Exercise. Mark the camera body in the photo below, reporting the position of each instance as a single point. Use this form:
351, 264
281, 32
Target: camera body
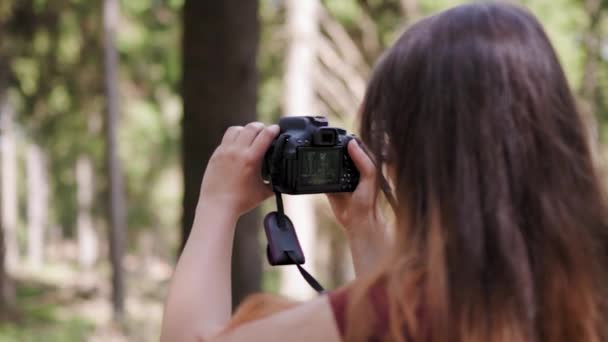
309, 157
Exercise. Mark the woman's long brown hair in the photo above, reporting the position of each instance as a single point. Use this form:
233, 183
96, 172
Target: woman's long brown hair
501, 214
501, 217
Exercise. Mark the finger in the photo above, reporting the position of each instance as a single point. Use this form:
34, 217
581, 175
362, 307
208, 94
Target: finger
231, 134
262, 142
362, 161
248, 134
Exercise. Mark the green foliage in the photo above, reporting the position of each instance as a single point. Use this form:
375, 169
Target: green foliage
564, 21
56, 57
346, 12
149, 45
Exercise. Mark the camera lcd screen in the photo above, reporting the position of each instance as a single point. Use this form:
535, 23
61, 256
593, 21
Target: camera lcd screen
319, 166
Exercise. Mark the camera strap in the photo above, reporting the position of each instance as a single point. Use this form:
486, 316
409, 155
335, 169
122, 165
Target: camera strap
283, 245
308, 277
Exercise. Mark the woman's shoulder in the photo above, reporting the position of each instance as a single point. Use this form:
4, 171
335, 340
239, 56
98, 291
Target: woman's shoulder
372, 297
264, 317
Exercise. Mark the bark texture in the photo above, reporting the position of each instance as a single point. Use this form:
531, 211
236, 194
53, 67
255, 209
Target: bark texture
116, 198
219, 87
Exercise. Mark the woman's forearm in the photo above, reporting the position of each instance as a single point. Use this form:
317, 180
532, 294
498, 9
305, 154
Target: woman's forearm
199, 301
367, 246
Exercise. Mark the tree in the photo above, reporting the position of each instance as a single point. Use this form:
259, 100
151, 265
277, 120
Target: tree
410, 8
57, 94
116, 204
591, 85
299, 99
37, 204
219, 89
87, 236
8, 160
7, 295
8, 183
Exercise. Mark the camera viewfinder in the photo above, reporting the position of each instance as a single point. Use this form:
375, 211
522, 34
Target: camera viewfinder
325, 137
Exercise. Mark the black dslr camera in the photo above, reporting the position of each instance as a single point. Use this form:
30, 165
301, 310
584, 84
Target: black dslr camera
308, 157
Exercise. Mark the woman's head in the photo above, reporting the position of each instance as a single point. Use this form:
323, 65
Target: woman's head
499, 207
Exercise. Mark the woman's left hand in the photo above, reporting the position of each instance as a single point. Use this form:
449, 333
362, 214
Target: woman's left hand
233, 178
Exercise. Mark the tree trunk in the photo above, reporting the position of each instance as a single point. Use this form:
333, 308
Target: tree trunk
410, 9
88, 244
116, 203
37, 204
7, 290
592, 39
8, 185
299, 99
219, 90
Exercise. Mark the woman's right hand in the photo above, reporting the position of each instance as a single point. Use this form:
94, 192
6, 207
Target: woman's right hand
359, 214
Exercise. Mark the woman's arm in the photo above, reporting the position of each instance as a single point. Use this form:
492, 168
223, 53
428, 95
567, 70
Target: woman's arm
361, 218
199, 300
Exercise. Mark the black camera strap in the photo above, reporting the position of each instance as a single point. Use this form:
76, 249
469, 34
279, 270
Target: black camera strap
308, 277
291, 254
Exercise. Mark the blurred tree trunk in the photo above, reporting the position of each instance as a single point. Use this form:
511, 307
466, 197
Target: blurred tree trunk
410, 9
590, 90
7, 291
116, 204
88, 244
299, 99
219, 88
37, 204
8, 185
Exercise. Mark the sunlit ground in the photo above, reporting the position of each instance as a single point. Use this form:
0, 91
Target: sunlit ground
59, 303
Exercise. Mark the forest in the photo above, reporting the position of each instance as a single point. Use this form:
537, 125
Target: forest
110, 110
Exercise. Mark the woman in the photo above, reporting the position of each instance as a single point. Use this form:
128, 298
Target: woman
500, 216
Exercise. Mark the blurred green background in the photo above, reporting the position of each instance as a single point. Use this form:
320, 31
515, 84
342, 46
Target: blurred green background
69, 227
